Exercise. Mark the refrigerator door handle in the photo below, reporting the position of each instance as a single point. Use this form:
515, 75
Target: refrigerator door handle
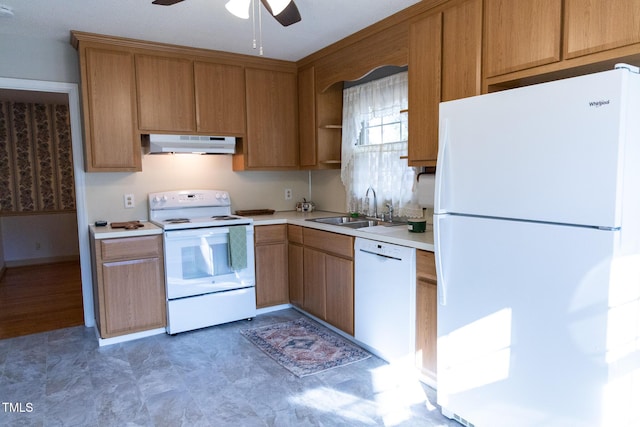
437, 240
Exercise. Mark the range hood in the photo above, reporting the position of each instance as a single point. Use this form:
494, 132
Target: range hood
160, 143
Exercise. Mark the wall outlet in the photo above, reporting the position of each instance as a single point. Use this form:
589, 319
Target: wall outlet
288, 194
129, 201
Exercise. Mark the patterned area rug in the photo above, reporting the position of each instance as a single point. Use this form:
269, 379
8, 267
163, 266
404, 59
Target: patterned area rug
304, 347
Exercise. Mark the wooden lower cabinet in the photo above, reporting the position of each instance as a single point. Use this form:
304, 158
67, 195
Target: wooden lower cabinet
426, 315
296, 260
328, 289
339, 293
129, 285
271, 254
314, 300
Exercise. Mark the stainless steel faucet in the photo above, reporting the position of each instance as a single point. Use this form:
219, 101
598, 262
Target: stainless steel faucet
375, 201
390, 207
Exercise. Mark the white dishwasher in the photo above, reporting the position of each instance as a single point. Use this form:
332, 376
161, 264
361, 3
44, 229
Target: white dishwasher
385, 299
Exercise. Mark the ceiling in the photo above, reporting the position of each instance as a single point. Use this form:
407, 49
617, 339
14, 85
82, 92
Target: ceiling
198, 23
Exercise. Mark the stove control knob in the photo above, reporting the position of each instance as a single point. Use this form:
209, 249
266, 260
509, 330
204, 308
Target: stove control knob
218, 196
225, 196
156, 199
164, 198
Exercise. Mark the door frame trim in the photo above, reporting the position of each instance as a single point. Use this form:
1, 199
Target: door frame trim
71, 89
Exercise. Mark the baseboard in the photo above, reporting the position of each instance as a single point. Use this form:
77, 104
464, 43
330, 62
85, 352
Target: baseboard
39, 261
264, 310
128, 337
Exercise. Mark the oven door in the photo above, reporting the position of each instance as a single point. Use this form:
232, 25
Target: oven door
197, 262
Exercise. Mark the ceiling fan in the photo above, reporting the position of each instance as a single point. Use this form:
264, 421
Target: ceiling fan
284, 11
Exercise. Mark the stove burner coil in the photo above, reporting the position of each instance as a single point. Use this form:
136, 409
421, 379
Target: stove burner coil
177, 220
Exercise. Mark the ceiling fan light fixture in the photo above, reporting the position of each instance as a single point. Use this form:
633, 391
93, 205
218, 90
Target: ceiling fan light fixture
239, 8
277, 6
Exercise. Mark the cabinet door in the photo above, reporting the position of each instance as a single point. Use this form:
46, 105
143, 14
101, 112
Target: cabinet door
165, 94
314, 282
596, 25
296, 275
444, 64
521, 34
425, 50
109, 107
133, 295
307, 116
220, 98
272, 282
339, 293
272, 126
462, 51
426, 314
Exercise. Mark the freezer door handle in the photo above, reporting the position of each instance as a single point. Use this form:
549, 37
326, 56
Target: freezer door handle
442, 152
439, 222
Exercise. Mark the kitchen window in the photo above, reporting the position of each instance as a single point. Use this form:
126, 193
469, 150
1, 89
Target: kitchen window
374, 147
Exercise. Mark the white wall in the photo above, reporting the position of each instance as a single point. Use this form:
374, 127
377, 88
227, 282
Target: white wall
31, 239
248, 190
38, 59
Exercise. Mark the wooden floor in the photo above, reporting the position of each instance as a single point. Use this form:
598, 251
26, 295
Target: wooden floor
40, 298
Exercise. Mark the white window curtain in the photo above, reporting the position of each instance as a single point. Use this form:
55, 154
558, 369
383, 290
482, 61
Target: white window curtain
375, 162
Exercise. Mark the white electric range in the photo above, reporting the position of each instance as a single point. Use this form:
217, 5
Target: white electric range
209, 258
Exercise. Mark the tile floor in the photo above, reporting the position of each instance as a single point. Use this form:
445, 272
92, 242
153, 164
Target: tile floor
209, 377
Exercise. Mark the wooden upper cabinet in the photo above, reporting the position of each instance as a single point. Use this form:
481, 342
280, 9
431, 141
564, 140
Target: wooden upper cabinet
462, 50
109, 108
272, 125
444, 64
320, 118
165, 94
220, 98
307, 116
521, 34
425, 77
595, 25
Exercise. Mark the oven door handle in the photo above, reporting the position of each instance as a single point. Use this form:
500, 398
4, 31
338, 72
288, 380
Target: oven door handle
200, 232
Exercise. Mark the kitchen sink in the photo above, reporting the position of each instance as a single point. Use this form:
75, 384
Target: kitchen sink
357, 222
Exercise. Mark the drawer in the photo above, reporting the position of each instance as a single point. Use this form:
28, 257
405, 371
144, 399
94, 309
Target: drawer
426, 266
270, 233
334, 243
294, 234
131, 247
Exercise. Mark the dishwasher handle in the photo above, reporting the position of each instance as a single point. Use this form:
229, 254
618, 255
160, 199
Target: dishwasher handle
380, 255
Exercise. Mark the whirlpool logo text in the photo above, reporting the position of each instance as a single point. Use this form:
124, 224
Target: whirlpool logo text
599, 103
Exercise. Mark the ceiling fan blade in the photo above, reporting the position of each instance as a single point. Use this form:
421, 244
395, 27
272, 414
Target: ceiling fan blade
290, 14
166, 2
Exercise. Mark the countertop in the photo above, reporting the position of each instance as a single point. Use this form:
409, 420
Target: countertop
107, 232
398, 235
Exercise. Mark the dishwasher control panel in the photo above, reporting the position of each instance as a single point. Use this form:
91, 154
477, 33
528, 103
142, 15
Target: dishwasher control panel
379, 248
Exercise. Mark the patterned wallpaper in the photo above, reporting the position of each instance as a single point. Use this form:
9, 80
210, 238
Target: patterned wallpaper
36, 163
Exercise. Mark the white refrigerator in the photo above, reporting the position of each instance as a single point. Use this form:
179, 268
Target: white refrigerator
537, 243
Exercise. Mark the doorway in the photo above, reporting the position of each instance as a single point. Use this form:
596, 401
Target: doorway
70, 91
